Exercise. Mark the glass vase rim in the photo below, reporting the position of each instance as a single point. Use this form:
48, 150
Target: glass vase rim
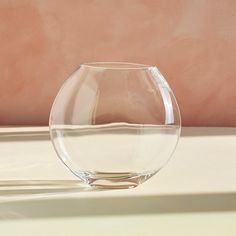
116, 65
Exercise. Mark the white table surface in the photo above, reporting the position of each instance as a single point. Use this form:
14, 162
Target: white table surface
195, 194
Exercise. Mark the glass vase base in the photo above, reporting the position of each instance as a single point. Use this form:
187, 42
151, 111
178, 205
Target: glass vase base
117, 180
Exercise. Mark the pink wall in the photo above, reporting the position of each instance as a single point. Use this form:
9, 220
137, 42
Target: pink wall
191, 41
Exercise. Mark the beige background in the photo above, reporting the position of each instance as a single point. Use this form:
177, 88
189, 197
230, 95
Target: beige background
192, 42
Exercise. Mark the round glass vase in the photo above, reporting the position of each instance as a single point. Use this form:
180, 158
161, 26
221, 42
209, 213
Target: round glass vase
114, 125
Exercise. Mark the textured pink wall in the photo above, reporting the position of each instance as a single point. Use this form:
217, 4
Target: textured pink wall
193, 43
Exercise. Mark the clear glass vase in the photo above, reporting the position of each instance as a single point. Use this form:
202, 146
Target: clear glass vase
114, 125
